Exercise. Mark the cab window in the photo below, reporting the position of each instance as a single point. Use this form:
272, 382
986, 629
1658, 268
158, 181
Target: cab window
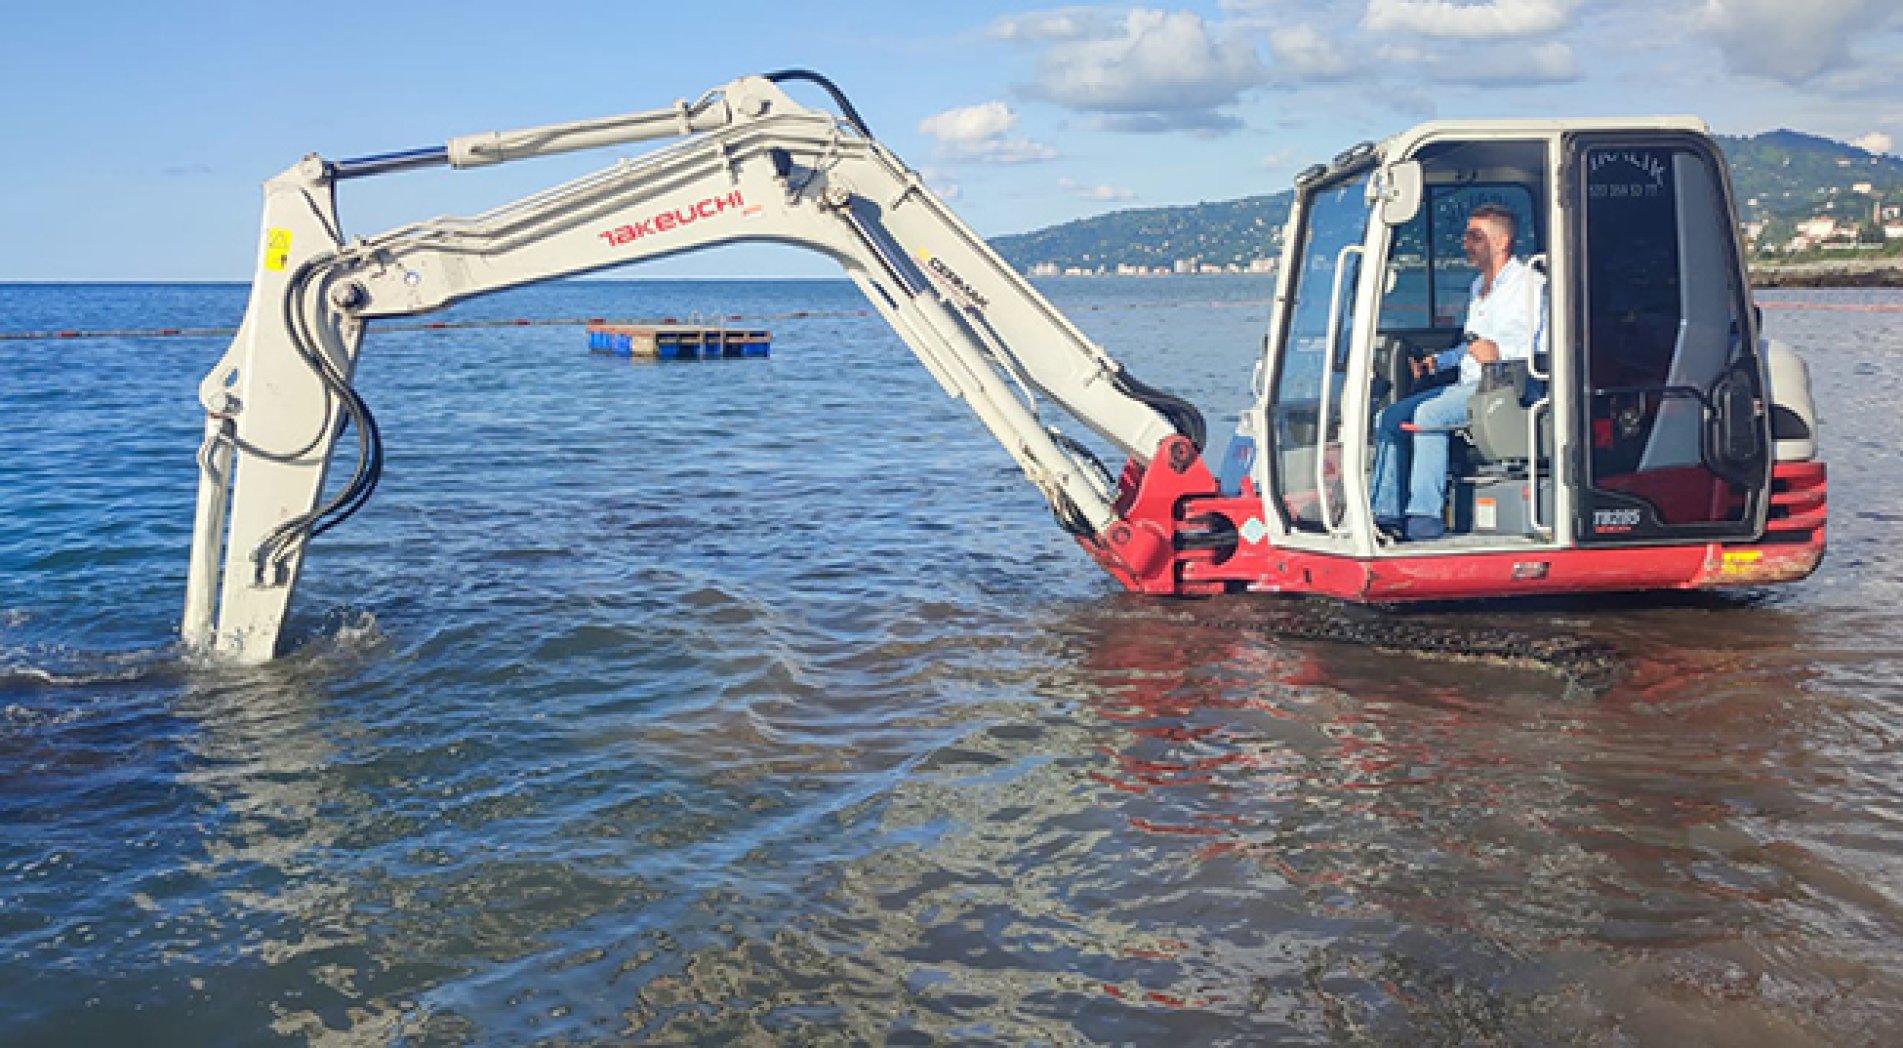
1429, 280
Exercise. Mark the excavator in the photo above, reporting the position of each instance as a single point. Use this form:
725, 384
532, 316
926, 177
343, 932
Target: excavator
1653, 440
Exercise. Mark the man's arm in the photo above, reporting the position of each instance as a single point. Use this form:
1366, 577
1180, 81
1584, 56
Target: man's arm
1433, 363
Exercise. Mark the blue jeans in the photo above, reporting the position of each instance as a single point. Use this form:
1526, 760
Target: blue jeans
1435, 409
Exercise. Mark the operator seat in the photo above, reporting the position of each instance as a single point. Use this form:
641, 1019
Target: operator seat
1498, 412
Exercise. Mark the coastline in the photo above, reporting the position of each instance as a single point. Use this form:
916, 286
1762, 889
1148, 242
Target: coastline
1848, 273
1826, 273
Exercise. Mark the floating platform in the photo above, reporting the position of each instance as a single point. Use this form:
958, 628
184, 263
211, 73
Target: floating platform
678, 341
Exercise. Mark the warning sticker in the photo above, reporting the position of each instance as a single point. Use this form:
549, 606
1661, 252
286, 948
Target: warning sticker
1486, 514
277, 249
1740, 561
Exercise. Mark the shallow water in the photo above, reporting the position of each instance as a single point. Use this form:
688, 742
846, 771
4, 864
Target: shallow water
761, 702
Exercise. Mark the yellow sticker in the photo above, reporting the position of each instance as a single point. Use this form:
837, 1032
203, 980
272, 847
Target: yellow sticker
277, 249
1740, 561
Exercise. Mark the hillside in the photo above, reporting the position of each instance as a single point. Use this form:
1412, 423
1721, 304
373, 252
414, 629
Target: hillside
1782, 178
1230, 232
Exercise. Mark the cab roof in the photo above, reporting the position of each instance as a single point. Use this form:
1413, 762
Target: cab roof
1404, 144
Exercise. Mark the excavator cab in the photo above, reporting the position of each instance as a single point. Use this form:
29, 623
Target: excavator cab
1644, 420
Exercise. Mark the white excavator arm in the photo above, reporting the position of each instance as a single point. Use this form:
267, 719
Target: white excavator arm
752, 165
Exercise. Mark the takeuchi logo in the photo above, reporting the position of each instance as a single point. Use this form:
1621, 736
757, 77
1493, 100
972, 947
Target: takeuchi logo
674, 218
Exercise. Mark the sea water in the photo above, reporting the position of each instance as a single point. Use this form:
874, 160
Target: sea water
762, 702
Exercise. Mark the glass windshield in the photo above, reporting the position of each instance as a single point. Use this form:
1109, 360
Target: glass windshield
1307, 478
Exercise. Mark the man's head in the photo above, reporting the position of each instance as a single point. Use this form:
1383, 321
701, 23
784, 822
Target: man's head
1488, 241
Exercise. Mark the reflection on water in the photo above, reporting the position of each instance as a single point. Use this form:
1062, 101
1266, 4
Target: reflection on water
1204, 833
1209, 832
691, 732
1491, 862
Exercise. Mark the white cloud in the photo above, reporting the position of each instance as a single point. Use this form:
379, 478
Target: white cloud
1104, 194
1265, 14
1496, 18
1302, 52
1064, 23
970, 123
978, 133
1167, 68
1001, 151
1402, 55
1529, 65
1204, 124
1791, 42
1548, 63
1875, 142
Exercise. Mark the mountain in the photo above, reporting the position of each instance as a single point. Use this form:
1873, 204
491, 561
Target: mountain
1782, 177
1229, 232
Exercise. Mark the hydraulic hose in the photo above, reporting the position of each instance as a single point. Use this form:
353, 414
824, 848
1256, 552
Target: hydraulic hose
1183, 415
276, 546
839, 97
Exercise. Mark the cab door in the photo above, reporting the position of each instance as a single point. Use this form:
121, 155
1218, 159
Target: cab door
1310, 359
1674, 434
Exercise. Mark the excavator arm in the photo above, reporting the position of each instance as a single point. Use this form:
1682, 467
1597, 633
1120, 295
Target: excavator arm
751, 164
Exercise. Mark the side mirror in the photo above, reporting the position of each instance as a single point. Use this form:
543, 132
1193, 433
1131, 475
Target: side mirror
1397, 188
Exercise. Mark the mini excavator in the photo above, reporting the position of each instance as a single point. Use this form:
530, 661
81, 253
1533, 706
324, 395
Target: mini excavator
1654, 440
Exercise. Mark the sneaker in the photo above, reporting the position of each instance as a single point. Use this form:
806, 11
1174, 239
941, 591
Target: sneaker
1392, 527
1424, 529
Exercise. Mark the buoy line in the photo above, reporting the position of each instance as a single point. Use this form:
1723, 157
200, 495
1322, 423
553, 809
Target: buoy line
432, 325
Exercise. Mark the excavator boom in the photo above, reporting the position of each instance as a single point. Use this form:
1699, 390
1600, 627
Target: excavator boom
750, 164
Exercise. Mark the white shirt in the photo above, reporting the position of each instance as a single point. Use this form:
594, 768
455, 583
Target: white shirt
1511, 314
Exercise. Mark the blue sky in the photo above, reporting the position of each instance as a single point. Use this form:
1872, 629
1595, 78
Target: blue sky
136, 134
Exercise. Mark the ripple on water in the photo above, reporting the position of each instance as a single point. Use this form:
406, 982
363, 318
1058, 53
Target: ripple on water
690, 705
